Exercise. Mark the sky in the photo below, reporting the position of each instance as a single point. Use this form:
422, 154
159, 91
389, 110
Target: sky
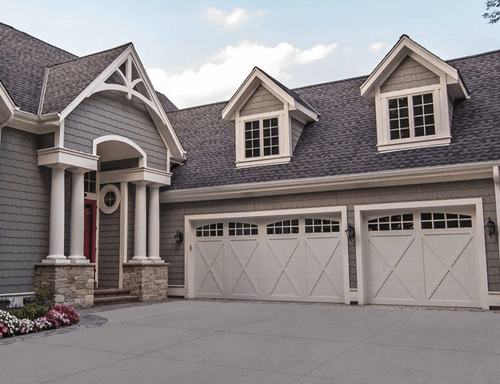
199, 52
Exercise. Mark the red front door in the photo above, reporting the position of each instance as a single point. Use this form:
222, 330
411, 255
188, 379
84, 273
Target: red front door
90, 230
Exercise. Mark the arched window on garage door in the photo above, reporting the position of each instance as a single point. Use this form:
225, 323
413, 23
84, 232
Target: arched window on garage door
242, 229
321, 226
396, 222
283, 227
210, 230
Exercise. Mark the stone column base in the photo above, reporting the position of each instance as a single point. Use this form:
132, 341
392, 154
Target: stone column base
71, 284
148, 281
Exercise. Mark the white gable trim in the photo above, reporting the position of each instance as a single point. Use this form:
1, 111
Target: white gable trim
143, 162
154, 106
245, 91
405, 47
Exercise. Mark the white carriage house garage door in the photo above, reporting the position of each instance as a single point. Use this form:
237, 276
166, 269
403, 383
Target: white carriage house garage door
425, 257
280, 258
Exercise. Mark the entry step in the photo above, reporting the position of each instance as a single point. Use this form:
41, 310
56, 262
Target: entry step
99, 292
120, 299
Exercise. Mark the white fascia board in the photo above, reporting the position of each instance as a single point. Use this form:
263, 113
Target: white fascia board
68, 158
6, 99
425, 175
134, 175
167, 133
401, 46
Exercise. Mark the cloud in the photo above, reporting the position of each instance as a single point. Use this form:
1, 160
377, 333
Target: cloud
376, 47
222, 73
229, 20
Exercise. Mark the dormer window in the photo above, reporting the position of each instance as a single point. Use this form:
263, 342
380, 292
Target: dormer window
268, 120
262, 138
411, 116
414, 94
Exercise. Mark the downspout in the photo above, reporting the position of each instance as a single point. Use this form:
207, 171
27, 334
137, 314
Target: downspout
496, 179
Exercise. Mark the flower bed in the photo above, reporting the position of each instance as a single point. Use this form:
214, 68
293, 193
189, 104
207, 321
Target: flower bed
58, 316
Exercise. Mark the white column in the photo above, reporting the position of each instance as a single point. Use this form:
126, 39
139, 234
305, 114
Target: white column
154, 224
140, 224
77, 218
56, 239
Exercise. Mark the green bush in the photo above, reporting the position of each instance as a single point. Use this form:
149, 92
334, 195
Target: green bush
30, 311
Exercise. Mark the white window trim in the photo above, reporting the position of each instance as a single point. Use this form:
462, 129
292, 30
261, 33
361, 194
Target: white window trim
442, 124
104, 208
285, 140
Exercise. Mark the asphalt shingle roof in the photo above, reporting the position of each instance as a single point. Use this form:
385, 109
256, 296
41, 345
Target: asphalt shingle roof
344, 139
22, 66
67, 80
167, 105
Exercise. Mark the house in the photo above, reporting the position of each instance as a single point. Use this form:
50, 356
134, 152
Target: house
380, 189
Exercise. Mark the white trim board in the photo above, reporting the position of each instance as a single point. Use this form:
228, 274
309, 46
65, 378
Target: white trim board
447, 173
476, 203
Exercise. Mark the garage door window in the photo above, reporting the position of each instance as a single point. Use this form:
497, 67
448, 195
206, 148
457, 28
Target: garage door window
283, 227
321, 226
243, 229
445, 220
210, 230
392, 223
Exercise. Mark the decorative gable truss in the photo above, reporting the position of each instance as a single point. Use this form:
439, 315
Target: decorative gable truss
414, 93
127, 75
269, 119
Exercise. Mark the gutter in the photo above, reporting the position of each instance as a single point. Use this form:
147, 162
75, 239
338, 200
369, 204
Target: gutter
471, 171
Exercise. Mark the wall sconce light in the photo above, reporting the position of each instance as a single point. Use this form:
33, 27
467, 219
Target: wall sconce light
179, 237
490, 227
350, 232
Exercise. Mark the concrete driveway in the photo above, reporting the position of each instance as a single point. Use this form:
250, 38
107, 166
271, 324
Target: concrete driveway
244, 342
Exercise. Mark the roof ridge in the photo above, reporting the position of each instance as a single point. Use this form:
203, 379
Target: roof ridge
474, 55
89, 55
36, 38
200, 106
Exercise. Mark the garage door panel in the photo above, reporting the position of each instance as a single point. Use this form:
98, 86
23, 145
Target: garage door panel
243, 267
324, 267
284, 260
433, 261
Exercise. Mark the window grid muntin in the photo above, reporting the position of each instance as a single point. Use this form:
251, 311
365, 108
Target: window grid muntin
423, 115
242, 229
109, 199
283, 227
321, 226
252, 139
89, 182
395, 222
262, 138
437, 220
270, 136
210, 230
408, 120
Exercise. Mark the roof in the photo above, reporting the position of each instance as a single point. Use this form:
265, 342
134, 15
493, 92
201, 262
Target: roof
343, 141
167, 105
27, 63
65, 81
22, 66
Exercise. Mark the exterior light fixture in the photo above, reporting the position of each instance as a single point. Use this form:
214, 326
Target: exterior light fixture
350, 232
179, 237
490, 227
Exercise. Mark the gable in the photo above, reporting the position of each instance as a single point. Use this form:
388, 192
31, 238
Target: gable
261, 101
409, 74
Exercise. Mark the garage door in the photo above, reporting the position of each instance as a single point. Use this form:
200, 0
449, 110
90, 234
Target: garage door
423, 258
287, 258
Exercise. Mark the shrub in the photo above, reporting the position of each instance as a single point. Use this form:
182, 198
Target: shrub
44, 297
30, 311
69, 312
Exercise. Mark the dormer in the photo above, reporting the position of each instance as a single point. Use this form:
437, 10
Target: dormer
269, 119
414, 92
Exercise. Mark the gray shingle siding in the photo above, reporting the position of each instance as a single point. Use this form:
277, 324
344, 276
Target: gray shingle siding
261, 101
172, 215
109, 248
409, 74
24, 211
102, 115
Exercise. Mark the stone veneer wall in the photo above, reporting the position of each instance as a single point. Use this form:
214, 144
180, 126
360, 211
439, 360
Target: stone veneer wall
71, 284
148, 281
172, 215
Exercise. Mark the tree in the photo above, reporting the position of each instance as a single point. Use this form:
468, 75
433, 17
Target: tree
494, 15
